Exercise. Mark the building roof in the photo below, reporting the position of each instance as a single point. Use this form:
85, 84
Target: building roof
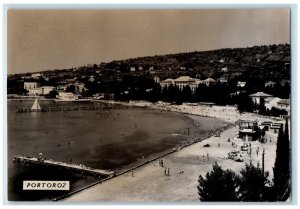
241, 82
168, 80
210, 80
260, 94
284, 102
272, 100
184, 78
270, 82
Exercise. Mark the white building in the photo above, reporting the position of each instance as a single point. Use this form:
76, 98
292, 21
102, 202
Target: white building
31, 85
276, 102
79, 87
62, 87
257, 97
184, 81
270, 84
223, 80
272, 102
208, 81
34, 92
241, 84
36, 75
92, 78
46, 89
167, 83
224, 69
67, 96
156, 79
285, 105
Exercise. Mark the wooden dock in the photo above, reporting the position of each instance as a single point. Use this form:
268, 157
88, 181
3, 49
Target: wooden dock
73, 167
104, 107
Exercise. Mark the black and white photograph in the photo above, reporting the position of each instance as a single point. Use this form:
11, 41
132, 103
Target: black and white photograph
137, 105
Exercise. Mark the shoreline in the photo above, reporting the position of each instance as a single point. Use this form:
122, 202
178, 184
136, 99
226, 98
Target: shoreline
181, 159
217, 112
127, 170
153, 157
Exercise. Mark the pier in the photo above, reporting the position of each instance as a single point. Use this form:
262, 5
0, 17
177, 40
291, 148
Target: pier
84, 107
74, 167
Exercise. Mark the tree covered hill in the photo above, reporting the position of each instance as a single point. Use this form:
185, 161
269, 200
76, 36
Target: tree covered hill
253, 65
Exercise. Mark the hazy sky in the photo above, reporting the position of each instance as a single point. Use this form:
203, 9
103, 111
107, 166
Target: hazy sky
54, 39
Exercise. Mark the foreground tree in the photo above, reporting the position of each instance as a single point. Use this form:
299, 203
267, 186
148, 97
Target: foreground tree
253, 184
281, 168
218, 185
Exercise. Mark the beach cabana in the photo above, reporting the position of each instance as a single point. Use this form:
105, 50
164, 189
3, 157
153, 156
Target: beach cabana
248, 130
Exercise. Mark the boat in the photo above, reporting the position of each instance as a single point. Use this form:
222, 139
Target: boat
36, 106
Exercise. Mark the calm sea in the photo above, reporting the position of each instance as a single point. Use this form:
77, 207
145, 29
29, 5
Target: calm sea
114, 139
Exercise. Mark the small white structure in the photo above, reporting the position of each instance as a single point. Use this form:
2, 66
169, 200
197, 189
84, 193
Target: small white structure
67, 96
36, 75
284, 104
46, 89
256, 98
31, 85
208, 81
272, 102
92, 78
223, 80
61, 87
224, 69
34, 92
241, 84
132, 69
79, 87
156, 79
270, 84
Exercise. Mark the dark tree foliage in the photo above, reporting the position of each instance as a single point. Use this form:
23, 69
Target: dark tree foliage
253, 184
52, 94
15, 87
245, 104
172, 94
282, 165
218, 185
155, 94
70, 88
186, 94
261, 107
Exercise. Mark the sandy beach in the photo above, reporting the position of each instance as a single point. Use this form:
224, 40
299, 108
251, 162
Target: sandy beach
149, 182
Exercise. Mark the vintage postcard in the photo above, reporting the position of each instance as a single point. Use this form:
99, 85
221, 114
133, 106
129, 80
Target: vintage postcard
149, 105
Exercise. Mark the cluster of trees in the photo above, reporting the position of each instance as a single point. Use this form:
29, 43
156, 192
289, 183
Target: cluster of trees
252, 184
225, 185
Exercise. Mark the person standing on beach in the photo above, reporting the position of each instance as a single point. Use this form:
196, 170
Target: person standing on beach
168, 171
132, 174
